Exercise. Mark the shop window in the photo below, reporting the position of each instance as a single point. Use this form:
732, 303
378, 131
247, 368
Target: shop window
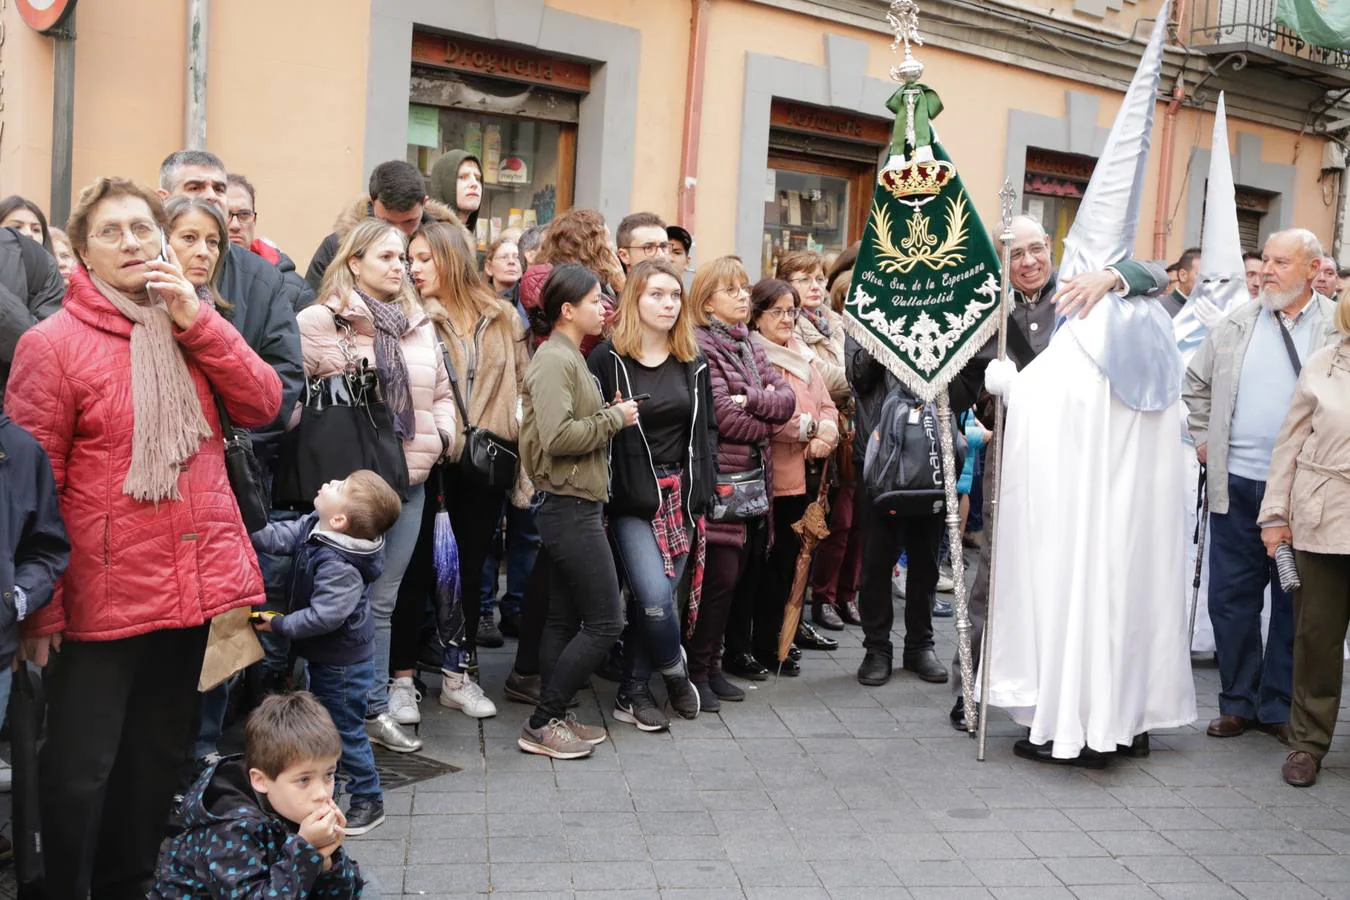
1053, 190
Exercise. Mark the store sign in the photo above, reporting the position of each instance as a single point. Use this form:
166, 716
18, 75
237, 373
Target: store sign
829, 122
479, 58
44, 15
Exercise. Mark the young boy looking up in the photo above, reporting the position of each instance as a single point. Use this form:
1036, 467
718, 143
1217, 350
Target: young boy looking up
338, 553
266, 824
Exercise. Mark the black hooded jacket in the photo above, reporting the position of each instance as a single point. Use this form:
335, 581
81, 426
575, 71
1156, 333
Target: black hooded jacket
633, 490
234, 845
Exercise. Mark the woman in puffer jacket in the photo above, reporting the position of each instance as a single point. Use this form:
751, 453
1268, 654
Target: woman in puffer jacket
368, 311
750, 400
801, 445
120, 388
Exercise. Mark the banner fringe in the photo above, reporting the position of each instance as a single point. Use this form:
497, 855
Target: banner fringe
925, 388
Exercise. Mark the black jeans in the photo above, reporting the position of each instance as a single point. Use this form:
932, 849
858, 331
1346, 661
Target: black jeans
585, 611
120, 715
883, 538
533, 613
730, 576
776, 582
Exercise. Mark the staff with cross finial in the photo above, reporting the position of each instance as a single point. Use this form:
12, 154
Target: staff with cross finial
1008, 202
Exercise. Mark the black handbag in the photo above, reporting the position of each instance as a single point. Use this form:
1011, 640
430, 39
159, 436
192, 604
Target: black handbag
488, 458
245, 473
740, 496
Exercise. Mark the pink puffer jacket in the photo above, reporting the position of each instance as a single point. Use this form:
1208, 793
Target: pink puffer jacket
433, 404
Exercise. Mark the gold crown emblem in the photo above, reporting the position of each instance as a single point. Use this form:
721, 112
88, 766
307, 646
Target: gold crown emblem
918, 179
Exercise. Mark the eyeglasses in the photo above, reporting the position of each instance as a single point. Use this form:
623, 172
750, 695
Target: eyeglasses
807, 279
652, 247
738, 291
1033, 249
111, 235
782, 313
243, 215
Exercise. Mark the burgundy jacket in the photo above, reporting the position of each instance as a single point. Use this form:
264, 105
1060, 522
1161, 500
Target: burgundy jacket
743, 430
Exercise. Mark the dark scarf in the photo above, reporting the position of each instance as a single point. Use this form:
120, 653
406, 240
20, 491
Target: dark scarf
736, 338
390, 326
818, 319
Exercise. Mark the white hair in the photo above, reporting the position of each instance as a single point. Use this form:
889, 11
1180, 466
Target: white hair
1030, 222
1307, 242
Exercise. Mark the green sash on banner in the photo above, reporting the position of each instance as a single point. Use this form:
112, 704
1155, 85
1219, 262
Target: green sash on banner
1323, 23
925, 291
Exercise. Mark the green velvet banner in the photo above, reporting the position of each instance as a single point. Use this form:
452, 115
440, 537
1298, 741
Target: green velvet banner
1323, 23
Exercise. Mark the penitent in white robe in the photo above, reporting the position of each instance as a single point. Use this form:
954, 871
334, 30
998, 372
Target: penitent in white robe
1089, 618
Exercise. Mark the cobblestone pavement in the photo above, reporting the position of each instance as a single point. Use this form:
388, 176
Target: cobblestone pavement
816, 787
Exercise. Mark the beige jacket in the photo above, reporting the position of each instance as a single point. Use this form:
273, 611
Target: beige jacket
1309, 482
321, 344
814, 422
828, 351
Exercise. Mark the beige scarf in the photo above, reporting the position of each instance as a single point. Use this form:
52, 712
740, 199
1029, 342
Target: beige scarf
168, 424
790, 358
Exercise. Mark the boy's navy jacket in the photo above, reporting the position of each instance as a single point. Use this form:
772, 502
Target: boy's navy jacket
329, 620
34, 548
233, 845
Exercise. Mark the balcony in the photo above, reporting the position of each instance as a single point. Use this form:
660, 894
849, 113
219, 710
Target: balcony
1247, 28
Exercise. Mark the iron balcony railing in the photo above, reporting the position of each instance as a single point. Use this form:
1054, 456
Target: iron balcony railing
1237, 25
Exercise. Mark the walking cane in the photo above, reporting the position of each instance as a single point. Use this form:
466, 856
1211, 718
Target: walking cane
1008, 197
1201, 527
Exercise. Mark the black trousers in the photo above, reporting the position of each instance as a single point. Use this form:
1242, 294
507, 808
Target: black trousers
585, 611
883, 538
776, 581
120, 717
533, 614
732, 583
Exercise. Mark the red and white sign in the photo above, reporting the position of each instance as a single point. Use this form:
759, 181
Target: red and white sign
44, 15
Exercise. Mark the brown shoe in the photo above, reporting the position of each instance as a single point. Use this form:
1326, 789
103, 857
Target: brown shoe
1228, 726
1300, 769
1279, 731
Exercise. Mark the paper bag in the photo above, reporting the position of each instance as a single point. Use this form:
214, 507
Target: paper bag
231, 646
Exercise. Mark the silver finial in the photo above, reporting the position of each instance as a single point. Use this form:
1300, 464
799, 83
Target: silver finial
903, 17
1008, 201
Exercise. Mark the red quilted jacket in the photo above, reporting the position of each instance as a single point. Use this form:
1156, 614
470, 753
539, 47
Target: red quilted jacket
136, 567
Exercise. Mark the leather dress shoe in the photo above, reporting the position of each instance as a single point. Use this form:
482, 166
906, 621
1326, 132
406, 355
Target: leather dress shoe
875, 669
1137, 748
788, 667
810, 639
794, 653
848, 611
744, 665
1300, 769
1277, 730
1087, 759
942, 609
1228, 726
958, 715
925, 664
826, 616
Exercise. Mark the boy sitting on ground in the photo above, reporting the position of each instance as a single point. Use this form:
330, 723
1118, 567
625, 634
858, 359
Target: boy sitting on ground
266, 824
338, 553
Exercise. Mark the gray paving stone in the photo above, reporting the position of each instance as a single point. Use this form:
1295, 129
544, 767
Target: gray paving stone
614, 876
1156, 870
871, 873
1090, 871
994, 873
701, 874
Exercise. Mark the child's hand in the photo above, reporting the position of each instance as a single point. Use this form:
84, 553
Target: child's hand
320, 827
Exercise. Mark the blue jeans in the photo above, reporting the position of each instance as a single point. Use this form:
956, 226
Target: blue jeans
399, 543
522, 546
276, 572
343, 691
1255, 682
211, 709
652, 637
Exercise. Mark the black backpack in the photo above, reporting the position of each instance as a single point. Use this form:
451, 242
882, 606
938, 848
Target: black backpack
902, 467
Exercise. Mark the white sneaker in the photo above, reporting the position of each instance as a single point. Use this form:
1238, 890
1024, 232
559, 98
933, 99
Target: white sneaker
945, 583
898, 576
383, 730
403, 700
459, 691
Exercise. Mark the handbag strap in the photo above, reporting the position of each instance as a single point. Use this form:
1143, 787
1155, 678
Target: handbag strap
1289, 344
454, 382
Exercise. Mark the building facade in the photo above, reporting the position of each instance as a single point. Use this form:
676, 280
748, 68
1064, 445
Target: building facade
758, 125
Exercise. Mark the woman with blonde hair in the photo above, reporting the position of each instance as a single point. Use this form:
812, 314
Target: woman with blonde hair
367, 314
661, 482
1307, 506
482, 343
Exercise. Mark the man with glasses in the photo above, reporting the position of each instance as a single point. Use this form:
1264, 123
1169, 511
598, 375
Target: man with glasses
242, 216
642, 235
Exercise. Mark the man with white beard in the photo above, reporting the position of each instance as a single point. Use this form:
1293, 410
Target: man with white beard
1238, 389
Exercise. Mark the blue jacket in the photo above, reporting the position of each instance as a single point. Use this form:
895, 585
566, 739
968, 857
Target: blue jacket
34, 549
329, 621
233, 845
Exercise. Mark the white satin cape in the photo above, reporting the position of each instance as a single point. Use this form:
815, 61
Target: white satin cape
1088, 636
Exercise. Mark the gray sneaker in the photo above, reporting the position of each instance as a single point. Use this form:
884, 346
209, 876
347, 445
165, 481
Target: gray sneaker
555, 739
591, 734
639, 709
383, 730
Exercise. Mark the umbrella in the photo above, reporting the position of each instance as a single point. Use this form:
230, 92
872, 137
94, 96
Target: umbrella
445, 561
812, 528
25, 726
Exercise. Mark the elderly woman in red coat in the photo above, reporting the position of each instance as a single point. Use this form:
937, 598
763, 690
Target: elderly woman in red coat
120, 389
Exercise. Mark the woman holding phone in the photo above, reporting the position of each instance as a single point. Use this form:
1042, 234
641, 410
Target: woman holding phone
661, 479
564, 446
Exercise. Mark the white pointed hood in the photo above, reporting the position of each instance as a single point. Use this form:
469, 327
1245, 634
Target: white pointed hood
1221, 281
1131, 341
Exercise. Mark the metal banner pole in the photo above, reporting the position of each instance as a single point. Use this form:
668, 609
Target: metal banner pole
1008, 199
947, 422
